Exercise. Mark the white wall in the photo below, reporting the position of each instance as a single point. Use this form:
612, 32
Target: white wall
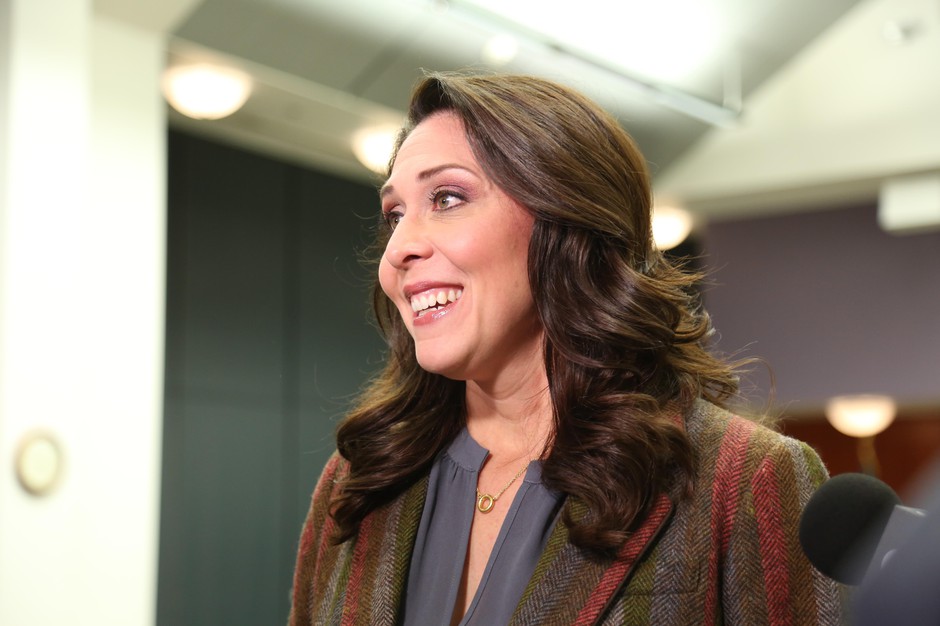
82, 212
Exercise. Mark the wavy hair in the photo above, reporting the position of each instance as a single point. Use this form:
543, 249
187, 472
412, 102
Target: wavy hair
625, 340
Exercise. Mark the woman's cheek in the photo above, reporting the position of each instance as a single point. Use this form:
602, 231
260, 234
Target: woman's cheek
387, 278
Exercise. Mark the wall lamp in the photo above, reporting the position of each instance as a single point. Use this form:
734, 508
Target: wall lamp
863, 417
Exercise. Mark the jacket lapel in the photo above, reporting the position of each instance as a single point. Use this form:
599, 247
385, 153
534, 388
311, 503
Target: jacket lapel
378, 570
568, 587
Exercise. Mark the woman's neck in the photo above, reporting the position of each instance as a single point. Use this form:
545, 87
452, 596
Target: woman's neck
512, 419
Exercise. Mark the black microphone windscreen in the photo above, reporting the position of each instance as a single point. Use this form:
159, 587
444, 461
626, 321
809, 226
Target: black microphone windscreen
840, 526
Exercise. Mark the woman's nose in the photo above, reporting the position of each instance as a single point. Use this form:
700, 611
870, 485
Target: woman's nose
409, 243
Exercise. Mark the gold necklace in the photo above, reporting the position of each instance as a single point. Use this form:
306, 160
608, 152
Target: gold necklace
485, 501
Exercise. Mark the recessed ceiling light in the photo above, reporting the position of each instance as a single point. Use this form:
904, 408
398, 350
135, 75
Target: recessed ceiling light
500, 49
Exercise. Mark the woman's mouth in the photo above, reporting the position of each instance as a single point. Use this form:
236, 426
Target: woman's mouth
434, 300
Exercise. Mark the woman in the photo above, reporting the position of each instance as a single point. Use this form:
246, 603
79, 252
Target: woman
546, 443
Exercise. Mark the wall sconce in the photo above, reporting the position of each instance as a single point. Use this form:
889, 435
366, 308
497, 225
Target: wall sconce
205, 92
862, 417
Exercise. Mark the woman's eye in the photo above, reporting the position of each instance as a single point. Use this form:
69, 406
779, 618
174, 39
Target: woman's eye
391, 218
446, 200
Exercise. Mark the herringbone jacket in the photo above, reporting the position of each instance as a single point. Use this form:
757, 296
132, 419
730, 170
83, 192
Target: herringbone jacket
727, 555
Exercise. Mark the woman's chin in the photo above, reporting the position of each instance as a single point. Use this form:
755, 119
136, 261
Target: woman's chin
446, 367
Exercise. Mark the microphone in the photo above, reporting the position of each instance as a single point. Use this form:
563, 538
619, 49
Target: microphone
852, 525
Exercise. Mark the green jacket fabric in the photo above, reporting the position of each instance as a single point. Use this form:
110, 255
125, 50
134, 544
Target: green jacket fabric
727, 555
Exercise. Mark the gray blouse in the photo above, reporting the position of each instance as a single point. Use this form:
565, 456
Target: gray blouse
441, 544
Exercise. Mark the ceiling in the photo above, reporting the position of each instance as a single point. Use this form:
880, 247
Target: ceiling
324, 69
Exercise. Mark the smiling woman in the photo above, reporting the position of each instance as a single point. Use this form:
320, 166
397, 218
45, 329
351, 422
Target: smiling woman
455, 231
546, 444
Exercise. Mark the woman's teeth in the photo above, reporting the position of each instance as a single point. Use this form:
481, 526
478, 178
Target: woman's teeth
434, 300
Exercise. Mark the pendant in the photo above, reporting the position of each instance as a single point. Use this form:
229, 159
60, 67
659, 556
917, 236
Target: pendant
485, 503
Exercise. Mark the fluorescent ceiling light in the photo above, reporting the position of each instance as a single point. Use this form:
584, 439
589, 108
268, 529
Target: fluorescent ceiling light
206, 92
910, 204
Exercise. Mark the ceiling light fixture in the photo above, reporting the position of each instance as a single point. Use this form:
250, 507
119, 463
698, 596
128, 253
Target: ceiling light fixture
500, 49
910, 204
373, 146
671, 226
204, 91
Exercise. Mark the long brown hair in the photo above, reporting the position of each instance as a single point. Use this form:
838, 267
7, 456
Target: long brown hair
625, 341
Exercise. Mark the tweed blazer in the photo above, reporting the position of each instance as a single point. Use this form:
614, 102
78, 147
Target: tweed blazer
727, 555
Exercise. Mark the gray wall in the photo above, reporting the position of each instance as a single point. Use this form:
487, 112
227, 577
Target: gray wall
833, 303
268, 339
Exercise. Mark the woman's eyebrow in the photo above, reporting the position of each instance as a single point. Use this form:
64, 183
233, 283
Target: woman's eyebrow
424, 175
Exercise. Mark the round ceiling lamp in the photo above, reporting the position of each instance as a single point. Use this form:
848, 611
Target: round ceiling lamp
671, 226
206, 92
373, 146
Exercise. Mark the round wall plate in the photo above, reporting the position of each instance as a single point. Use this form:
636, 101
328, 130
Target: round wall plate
38, 463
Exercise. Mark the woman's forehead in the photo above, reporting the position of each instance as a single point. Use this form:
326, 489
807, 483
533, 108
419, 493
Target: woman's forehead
439, 139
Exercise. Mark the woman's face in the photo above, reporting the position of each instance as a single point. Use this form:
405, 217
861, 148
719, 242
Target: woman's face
455, 265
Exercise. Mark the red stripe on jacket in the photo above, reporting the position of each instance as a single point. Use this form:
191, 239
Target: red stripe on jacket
773, 545
354, 587
728, 469
616, 575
